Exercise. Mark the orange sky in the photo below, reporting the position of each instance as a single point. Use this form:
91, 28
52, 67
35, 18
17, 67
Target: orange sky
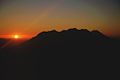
29, 17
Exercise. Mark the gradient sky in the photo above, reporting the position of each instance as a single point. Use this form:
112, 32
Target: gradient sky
34, 16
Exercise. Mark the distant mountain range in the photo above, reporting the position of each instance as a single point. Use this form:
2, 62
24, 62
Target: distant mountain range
54, 53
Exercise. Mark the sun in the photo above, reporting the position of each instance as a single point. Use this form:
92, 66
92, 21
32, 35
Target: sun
16, 36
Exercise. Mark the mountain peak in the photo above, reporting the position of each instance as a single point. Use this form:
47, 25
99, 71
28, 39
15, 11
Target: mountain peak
83, 32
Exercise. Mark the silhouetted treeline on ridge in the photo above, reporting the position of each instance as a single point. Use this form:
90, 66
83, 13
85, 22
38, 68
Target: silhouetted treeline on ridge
60, 54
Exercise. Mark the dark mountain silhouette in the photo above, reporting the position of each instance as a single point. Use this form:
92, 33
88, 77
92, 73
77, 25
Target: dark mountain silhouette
69, 54
3, 41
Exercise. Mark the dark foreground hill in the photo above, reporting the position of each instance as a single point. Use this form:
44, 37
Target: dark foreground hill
69, 54
3, 41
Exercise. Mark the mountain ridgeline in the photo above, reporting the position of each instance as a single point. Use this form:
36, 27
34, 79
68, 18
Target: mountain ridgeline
71, 41
70, 53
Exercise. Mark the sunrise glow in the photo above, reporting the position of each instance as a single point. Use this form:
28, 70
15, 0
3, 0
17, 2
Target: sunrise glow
16, 36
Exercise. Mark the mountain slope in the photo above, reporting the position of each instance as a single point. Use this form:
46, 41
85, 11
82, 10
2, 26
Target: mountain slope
70, 38
69, 54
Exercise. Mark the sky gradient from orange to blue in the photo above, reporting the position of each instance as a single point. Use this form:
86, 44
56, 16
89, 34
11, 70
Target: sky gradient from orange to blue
33, 16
